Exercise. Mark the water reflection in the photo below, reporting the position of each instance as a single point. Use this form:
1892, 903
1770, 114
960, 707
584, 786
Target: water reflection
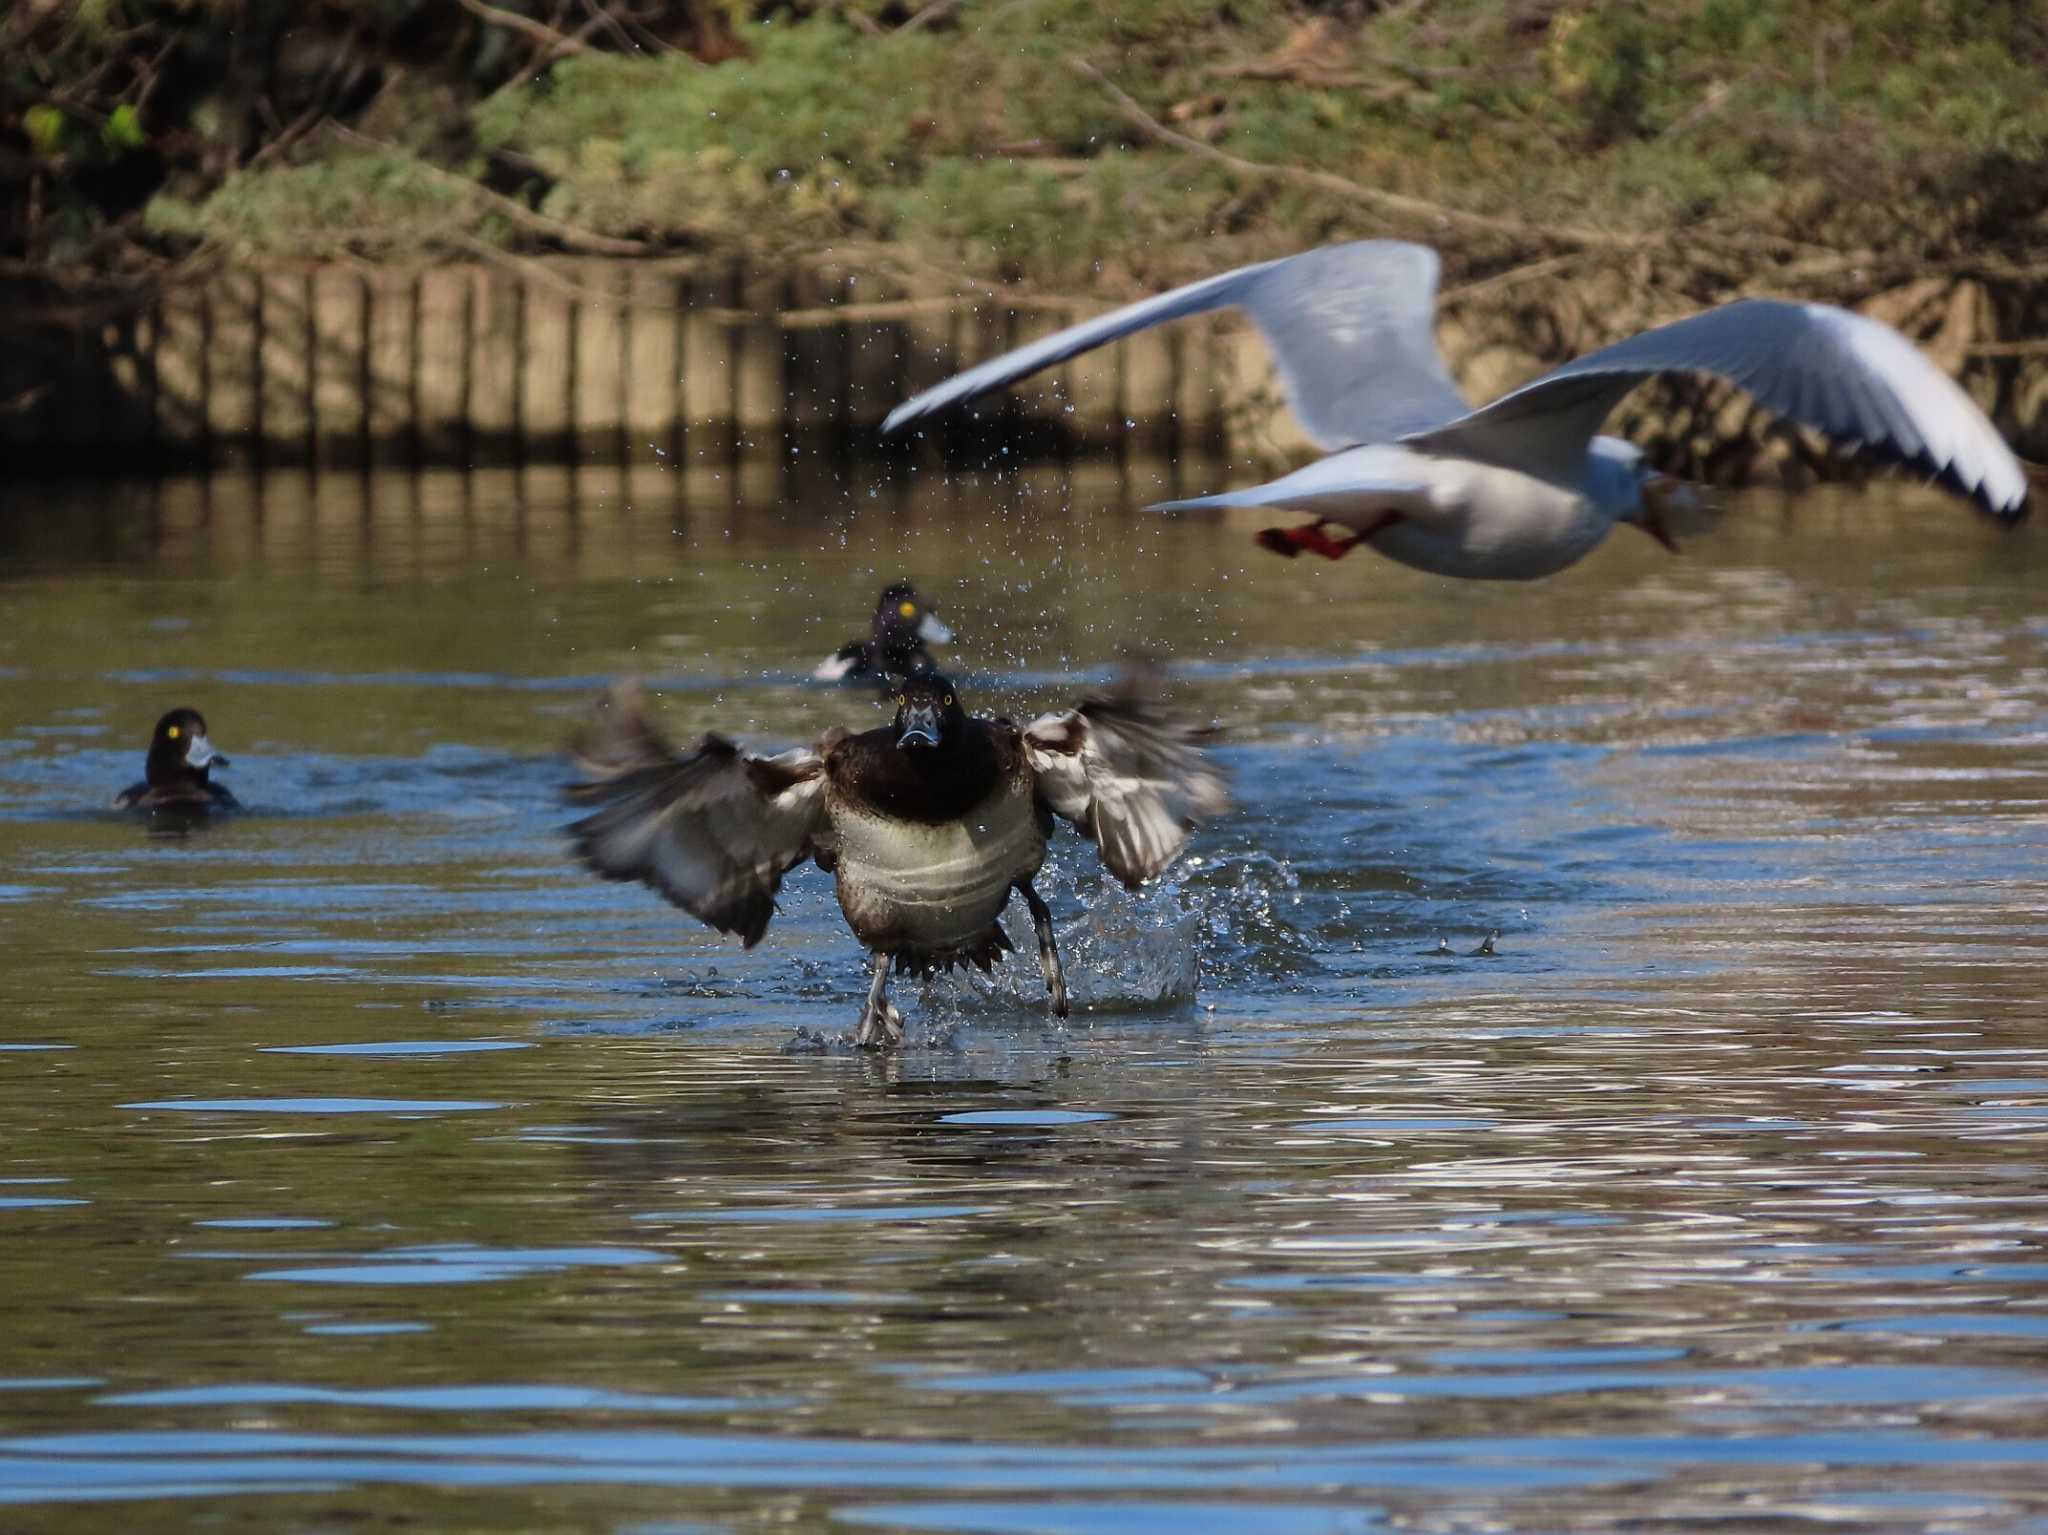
358, 1148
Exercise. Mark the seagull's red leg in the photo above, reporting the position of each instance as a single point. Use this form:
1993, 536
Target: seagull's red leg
1285, 542
1310, 536
1291, 541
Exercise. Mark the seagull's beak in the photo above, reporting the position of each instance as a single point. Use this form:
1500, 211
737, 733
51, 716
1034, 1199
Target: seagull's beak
920, 726
1669, 505
932, 632
199, 753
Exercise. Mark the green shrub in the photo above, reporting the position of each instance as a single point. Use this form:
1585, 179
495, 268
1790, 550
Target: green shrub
357, 201
972, 142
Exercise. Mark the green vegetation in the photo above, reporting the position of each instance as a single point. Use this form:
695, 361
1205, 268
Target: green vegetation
373, 202
964, 139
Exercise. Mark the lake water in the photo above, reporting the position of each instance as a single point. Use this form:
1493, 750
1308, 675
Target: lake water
364, 1165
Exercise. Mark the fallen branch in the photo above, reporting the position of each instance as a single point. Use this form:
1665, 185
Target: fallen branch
152, 73
1317, 78
1326, 181
928, 15
1322, 77
893, 309
1992, 269
861, 22
602, 16
2007, 349
573, 236
24, 402
649, 40
1716, 97
1523, 273
557, 43
524, 266
302, 125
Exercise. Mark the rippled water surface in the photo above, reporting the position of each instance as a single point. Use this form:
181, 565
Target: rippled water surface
364, 1165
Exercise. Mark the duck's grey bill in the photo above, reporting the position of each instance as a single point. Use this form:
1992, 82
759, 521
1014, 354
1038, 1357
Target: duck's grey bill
199, 752
920, 727
932, 632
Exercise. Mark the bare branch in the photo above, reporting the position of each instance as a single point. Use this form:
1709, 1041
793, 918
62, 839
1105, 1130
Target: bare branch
24, 402
557, 43
937, 10
604, 18
1391, 202
573, 236
1314, 76
1529, 270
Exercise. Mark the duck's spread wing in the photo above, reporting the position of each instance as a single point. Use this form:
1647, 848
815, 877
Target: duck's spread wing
1129, 776
714, 829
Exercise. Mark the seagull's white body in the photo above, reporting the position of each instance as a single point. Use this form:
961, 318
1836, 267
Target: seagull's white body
1503, 525
1524, 487
1449, 516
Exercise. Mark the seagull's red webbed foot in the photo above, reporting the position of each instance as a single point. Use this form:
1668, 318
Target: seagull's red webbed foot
1291, 541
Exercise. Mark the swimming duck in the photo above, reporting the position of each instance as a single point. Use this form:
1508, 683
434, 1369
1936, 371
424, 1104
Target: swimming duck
179, 769
903, 625
927, 824
1523, 487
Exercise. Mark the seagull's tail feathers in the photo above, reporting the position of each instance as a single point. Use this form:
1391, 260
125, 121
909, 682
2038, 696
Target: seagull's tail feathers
1215, 503
1354, 501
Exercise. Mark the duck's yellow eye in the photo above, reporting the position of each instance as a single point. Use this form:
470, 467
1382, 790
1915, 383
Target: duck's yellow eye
907, 609
949, 700
901, 701
172, 732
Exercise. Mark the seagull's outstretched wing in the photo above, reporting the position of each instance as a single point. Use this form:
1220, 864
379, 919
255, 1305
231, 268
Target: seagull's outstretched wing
1352, 327
1128, 775
1854, 378
714, 830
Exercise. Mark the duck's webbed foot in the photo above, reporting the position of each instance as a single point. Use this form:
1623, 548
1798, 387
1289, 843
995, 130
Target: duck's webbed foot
1289, 542
879, 1016
1048, 949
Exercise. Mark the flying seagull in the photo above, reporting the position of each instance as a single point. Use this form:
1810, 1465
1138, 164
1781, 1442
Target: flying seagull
1524, 486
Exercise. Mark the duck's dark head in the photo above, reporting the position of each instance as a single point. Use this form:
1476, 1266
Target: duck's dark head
904, 621
927, 711
179, 750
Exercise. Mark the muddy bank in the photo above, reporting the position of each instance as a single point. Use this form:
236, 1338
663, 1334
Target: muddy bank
594, 360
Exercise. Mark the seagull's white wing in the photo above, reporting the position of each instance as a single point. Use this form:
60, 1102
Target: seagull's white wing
1854, 378
714, 830
1352, 327
1129, 776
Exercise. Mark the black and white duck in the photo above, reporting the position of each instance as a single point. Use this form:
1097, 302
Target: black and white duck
178, 773
903, 625
928, 824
